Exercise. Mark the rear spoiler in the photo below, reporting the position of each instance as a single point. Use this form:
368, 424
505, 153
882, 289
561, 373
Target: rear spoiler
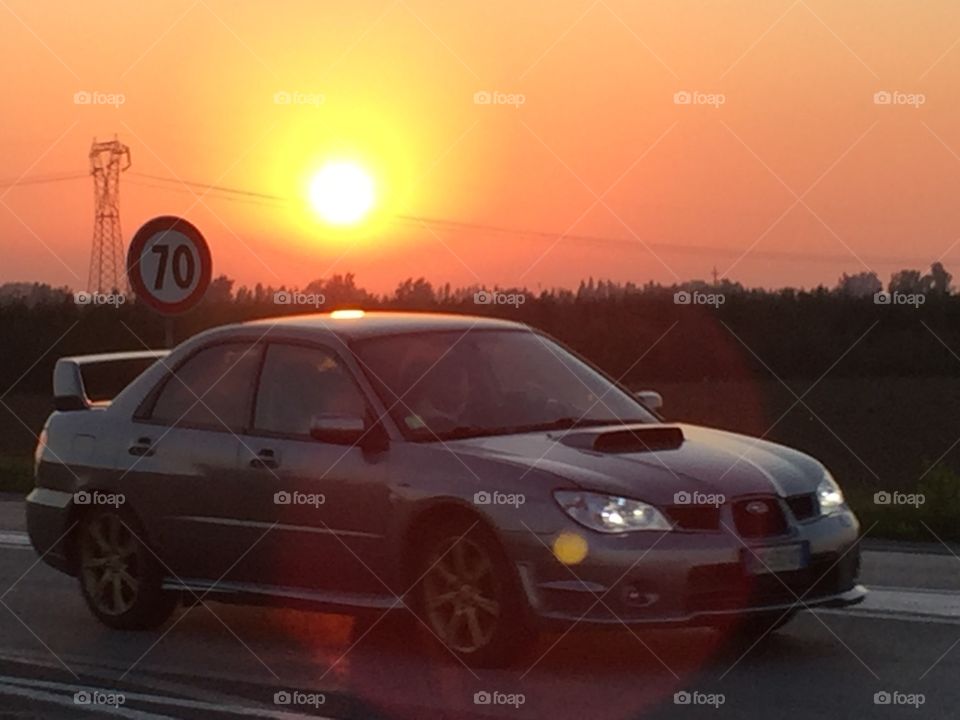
69, 392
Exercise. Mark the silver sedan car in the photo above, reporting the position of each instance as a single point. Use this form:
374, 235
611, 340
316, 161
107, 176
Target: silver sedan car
471, 472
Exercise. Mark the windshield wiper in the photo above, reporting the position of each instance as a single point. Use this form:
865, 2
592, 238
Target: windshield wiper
461, 432
568, 423
466, 431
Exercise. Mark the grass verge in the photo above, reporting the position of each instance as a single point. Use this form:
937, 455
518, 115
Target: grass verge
16, 474
927, 511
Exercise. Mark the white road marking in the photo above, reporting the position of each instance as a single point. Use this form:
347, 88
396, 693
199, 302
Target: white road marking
68, 702
16, 540
106, 671
916, 604
10, 684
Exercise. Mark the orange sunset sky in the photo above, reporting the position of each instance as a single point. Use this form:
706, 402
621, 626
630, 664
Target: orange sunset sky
785, 169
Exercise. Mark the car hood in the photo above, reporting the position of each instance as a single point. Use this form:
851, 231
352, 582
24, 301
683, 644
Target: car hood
707, 461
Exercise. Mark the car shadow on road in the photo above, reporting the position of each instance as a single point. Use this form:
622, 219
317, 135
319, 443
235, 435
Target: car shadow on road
392, 665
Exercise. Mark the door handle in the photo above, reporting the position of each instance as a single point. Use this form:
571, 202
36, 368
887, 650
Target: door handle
143, 447
266, 458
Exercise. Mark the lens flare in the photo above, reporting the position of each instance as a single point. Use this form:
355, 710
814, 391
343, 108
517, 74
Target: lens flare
570, 548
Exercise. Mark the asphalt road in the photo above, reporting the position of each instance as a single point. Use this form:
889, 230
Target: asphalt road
220, 661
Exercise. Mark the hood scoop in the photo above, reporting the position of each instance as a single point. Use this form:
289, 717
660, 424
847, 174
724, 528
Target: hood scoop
627, 439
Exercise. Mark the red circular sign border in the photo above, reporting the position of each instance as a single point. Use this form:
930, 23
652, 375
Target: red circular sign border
147, 231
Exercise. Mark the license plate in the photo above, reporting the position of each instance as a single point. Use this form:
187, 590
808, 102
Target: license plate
776, 558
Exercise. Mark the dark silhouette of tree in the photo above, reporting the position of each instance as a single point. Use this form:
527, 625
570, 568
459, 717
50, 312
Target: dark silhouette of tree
339, 290
861, 285
937, 282
906, 281
220, 290
31, 294
416, 293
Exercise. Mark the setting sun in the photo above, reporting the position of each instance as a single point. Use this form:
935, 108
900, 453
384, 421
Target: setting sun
342, 193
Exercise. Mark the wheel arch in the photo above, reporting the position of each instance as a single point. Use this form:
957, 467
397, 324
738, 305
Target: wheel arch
75, 516
427, 518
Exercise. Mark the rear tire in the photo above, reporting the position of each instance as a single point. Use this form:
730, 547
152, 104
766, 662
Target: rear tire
120, 579
469, 596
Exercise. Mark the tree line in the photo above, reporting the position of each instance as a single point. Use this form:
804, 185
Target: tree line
641, 332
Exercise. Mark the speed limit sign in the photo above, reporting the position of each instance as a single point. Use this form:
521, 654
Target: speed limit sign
168, 265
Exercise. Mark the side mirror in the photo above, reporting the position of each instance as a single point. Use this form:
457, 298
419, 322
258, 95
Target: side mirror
338, 429
650, 398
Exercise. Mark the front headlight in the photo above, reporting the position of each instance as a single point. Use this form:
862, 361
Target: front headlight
829, 494
609, 513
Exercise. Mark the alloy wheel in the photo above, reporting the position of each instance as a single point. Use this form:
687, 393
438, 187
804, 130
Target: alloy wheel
109, 564
461, 594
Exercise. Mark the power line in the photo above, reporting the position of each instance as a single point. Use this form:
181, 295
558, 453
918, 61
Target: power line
43, 179
215, 195
234, 194
218, 188
227, 193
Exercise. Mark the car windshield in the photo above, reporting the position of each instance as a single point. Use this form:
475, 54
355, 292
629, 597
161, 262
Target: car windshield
448, 385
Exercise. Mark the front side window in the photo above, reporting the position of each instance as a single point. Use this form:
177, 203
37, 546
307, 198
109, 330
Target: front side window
300, 383
212, 389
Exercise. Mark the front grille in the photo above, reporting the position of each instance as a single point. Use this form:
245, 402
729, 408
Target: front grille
694, 517
803, 507
759, 517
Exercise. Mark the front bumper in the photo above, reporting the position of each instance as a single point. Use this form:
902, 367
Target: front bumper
687, 578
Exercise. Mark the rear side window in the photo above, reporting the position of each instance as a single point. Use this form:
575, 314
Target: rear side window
299, 383
211, 390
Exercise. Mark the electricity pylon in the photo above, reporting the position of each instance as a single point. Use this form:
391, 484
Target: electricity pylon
107, 272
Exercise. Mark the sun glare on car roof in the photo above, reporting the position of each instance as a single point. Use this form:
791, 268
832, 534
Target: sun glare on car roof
347, 314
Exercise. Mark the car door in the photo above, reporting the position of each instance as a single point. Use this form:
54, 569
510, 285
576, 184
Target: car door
326, 504
180, 462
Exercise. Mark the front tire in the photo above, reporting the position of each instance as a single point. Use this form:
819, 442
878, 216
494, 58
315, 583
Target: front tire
469, 596
120, 579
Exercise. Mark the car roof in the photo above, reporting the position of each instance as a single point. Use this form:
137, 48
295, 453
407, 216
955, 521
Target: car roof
378, 324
